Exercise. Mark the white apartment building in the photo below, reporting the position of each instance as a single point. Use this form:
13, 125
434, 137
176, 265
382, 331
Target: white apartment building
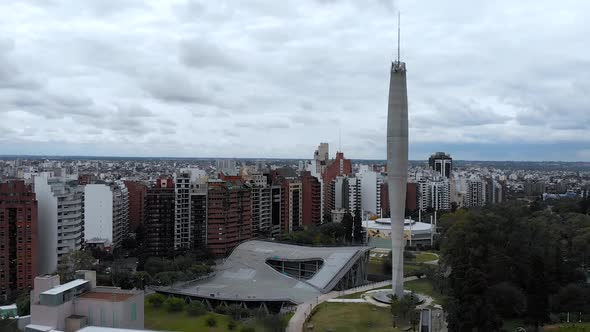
106, 208
60, 219
370, 191
190, 219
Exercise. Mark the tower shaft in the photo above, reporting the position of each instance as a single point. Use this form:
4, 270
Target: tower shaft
397, 168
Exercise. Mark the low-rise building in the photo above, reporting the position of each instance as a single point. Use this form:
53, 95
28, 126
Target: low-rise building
80, 303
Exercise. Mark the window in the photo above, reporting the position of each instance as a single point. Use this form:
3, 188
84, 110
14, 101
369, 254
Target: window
133, 312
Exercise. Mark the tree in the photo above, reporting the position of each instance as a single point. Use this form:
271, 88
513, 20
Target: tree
508, 300
274, 323
537, 294
141, 279
347, 222
572, 298
23, 304
196, 308
174, 304
156, 300
357, 233
74, 261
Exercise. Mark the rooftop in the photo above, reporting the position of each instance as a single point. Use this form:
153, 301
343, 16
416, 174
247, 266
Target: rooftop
245, 274
65, 287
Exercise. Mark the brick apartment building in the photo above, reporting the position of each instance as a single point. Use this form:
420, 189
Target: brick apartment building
159, 218
137, 191
312, 196
229, 216
18, 237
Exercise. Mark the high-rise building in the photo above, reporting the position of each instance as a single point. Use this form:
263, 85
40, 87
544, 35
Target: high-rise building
411, 196
160, 201
137, 191
191, 205
229, 216
321, 157
442, 163
371, 191
18, 238
493, 191
433, 194
227, 166
276, 197
261, 210
312, 197
475, 195
61, 219
292, 205
106, 212
337, 167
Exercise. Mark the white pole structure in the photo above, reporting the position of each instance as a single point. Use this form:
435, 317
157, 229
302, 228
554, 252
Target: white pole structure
397, 166
431, 233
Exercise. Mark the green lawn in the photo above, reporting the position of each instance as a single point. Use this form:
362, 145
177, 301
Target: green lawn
424, 286
511, 325
161, 320
351, 317
422, 257
574, 327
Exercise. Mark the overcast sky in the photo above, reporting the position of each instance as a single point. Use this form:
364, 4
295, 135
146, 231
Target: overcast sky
487, 80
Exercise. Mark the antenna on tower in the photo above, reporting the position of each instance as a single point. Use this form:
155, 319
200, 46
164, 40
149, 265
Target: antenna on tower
398, 34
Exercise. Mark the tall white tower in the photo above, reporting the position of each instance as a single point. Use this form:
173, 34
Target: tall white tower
397, 166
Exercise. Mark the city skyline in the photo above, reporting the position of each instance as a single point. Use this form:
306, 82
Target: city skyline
212, 80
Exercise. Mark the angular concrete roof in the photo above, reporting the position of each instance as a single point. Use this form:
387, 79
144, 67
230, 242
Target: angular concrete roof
245, 275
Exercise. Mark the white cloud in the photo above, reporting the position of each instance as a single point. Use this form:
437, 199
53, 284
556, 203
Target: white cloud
274, 78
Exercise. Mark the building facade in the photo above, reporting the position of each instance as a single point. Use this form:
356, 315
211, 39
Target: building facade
335, 168
442, 163
18, 238
475, 195
160, 201
311, 199
106, 212
137, 191
61, 219
229, 216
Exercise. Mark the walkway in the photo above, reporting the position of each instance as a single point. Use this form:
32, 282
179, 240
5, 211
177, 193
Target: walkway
304, 309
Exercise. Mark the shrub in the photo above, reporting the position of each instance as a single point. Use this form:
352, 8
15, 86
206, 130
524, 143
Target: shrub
237, 312
211, 321
196, 308
221, 309
156, 300
174, 304
231, 325
247, 329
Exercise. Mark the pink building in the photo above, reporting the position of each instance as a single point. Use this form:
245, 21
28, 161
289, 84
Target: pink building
80, 303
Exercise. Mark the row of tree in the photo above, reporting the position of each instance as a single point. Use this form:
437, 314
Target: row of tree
513, 261
348, 231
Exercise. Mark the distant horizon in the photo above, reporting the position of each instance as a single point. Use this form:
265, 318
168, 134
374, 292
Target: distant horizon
98, 157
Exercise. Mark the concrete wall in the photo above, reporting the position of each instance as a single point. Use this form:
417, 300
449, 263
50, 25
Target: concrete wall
112, 314
47, 225
98, 212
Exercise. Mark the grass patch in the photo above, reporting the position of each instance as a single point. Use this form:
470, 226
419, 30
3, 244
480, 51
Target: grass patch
422, 257
574, 327
351, 317
161, 320
424, 286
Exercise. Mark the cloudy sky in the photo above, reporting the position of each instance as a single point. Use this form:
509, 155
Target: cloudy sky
487, 80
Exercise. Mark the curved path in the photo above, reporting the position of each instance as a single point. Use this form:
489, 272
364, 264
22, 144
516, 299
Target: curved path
304, 309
